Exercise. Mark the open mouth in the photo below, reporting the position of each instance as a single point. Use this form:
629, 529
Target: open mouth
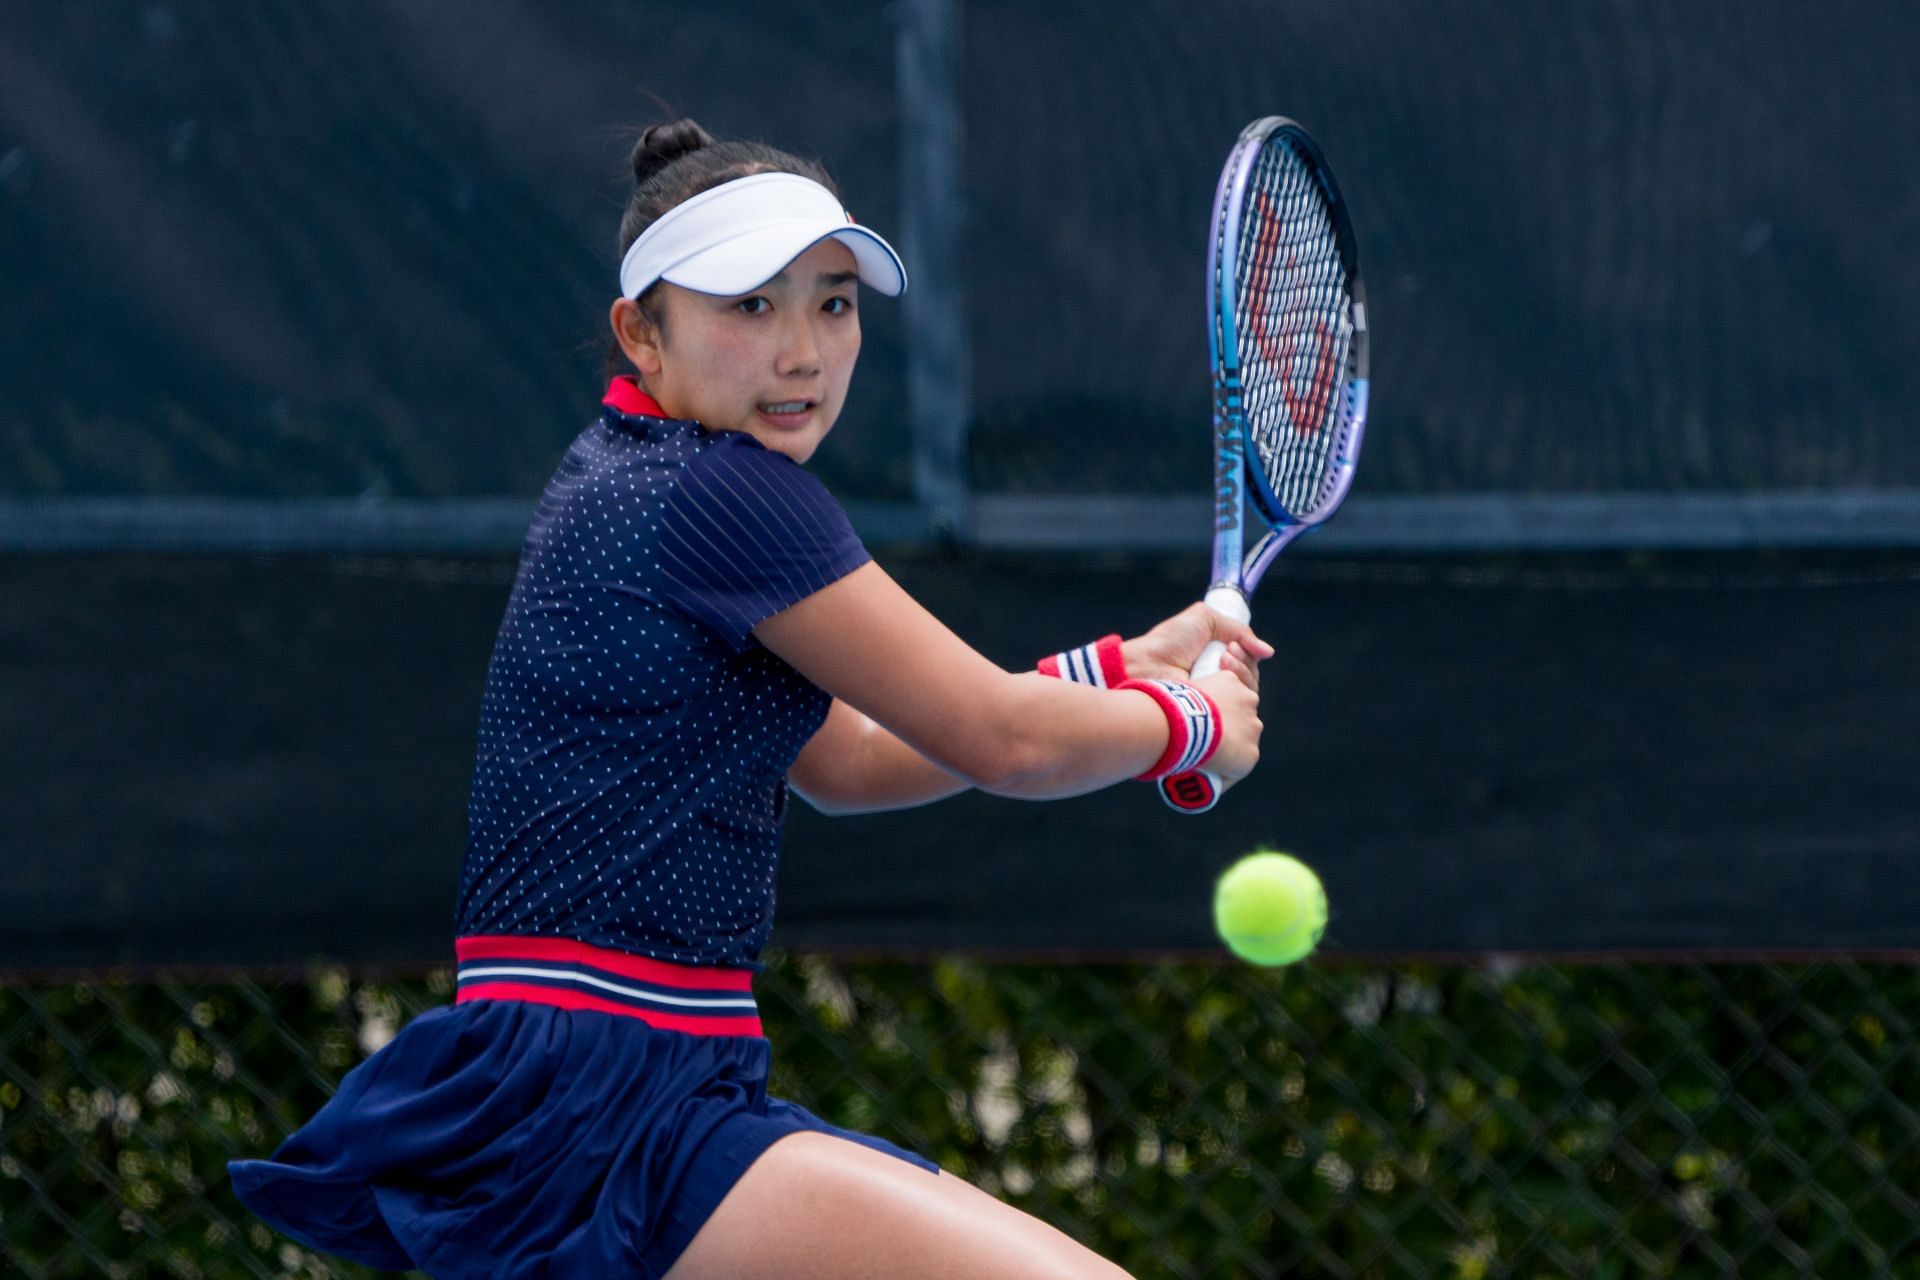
788, 412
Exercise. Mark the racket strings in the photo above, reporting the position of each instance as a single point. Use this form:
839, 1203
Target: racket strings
1294, 327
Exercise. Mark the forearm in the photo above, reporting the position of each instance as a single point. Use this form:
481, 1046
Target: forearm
1060, 740
1069, 739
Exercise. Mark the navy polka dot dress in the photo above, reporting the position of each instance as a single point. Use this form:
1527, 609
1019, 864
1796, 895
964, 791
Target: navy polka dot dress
599, 1083
634, 738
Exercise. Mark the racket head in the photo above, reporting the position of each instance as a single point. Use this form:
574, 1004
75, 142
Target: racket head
1288, 340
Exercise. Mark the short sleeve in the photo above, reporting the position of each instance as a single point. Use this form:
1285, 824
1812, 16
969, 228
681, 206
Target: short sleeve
747, 532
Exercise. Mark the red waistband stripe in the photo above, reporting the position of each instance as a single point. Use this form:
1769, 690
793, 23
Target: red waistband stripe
576, 975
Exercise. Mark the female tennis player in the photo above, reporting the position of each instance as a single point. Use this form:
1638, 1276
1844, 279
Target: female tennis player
694, 630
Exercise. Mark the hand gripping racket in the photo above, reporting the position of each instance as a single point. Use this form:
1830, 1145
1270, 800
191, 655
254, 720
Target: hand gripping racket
1287, 336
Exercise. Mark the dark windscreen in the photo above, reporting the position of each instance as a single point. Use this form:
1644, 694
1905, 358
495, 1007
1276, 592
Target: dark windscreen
304, 248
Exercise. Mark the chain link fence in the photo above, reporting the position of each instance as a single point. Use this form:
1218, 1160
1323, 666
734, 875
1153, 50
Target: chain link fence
1184, 1119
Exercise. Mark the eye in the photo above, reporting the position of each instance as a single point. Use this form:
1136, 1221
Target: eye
838, 306
755, 305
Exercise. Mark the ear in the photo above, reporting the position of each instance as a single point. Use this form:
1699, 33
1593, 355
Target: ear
637, 335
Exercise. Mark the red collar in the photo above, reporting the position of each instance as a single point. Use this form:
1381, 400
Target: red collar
625, 394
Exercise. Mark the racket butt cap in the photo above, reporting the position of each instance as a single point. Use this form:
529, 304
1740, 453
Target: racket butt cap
1190, 792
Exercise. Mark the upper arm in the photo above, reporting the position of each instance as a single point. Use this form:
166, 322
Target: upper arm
863, 639
745, 533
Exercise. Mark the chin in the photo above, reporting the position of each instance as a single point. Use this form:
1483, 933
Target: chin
798, 445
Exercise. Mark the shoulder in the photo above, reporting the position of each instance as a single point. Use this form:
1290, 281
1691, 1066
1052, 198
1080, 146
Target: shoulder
747, 532
736, 473
737, 452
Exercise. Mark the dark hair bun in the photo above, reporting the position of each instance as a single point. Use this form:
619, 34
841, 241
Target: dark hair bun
661, 144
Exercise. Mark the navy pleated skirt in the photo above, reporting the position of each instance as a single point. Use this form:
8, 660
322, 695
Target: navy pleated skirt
576, 1112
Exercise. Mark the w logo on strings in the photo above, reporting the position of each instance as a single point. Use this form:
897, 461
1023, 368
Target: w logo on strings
1305, 393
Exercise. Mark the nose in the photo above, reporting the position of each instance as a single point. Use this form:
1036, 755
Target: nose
799, 352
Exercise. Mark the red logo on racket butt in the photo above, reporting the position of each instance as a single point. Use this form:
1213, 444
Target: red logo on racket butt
1189, 792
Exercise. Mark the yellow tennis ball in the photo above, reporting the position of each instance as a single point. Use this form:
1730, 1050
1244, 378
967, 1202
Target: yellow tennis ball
1270, 908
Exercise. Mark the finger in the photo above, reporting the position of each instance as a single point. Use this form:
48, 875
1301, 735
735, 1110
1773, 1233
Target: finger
1218, 687
1227, 631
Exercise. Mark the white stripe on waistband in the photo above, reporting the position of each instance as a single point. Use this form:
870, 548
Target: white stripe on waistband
573, 975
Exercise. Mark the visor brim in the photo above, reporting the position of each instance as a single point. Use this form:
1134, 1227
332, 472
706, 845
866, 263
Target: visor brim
748, 261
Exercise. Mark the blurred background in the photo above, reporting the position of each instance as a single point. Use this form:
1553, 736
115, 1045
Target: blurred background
1594, 707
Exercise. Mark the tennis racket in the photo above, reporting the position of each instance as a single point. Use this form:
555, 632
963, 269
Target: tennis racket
1287, 338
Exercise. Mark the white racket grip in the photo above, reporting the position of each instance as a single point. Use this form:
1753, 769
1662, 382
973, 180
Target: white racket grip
1208, 663
1199, 790
1229, 603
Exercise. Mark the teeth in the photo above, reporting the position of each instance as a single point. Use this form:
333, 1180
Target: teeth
787, 406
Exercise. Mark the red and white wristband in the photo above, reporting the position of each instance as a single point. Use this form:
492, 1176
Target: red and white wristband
1193, 726
1098, 664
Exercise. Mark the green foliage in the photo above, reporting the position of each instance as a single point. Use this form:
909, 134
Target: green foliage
1184, 1120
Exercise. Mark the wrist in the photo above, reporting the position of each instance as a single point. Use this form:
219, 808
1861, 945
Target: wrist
1193, 726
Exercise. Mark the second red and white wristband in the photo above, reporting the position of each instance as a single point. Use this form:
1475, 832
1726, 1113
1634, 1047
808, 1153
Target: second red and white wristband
1098, 664
1193, 726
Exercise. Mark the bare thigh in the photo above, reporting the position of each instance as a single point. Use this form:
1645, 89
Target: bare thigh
817, 1207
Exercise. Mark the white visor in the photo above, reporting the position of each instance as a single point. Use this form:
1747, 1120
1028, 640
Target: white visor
737, 236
